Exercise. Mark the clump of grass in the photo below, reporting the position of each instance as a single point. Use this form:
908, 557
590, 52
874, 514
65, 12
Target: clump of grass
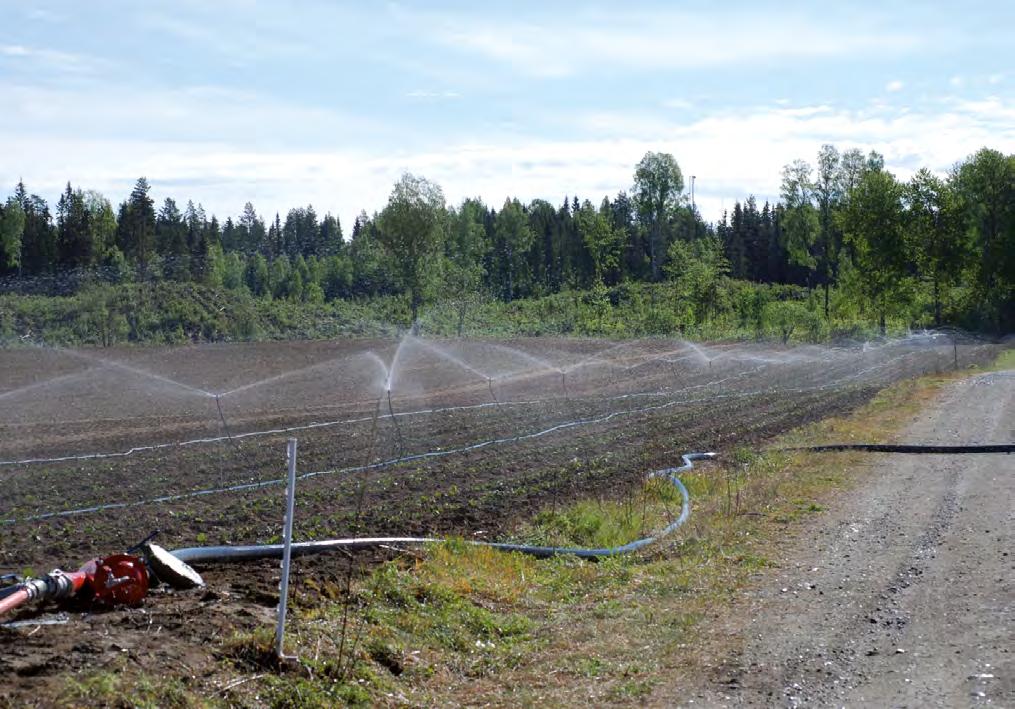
285, 692
114, 689
423, 606
606, 523
1005, 360
481, 572
253, 648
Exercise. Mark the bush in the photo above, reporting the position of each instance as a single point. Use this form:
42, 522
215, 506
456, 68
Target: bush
783, 318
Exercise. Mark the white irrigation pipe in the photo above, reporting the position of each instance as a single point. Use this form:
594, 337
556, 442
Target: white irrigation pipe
450, 451
417, 412
268, 551
362, 419
339, 422
243, 487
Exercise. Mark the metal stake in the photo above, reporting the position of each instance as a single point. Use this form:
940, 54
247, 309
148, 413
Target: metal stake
287, 538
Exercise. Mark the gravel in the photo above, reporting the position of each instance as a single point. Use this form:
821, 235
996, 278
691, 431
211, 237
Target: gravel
904, 594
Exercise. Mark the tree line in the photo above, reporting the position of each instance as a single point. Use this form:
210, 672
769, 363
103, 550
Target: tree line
937, 248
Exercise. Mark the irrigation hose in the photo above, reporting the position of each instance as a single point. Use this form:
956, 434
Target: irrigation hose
267, 551
906, 448
274, 551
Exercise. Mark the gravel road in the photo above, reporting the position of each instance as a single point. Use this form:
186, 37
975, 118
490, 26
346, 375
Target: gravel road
904, 595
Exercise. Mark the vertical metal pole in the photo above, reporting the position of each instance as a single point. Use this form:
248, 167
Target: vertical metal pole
287, 538
955, 352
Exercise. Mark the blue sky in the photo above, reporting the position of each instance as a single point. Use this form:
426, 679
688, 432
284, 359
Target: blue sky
285, 103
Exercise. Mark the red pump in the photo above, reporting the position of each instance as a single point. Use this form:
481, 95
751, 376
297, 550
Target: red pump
120, 579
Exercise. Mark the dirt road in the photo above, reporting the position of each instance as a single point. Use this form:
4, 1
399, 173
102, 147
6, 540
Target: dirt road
902, 596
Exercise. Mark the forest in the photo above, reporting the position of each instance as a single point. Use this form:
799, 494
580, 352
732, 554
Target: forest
847, 246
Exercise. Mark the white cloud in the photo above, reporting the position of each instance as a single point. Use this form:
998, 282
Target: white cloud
894, 86
41, 57
956, 81
422, 93
678, 103
195, 113
39, 14
657, 41
733, 154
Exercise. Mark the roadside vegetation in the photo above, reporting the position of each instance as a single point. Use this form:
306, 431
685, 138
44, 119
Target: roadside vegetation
454, 624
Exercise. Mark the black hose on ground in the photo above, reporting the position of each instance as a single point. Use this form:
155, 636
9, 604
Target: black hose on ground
907, 448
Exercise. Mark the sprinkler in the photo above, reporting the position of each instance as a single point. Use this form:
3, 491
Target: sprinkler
493, 394
398, 429
222, 417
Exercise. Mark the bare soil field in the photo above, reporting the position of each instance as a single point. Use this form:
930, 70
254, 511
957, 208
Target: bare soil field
100, 447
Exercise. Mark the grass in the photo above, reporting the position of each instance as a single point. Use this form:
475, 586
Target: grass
1005, 361
113, 689
460, 624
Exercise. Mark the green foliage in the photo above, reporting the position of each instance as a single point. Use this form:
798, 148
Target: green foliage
873, 224
106, 315
985, 186
412, 228
699, 270
513, 238
935, 225
800, 221
114, 689
136, 225
783, 318
928, 252
12, 225
258, 278
658, 188
607, 523
435, 612
601, 239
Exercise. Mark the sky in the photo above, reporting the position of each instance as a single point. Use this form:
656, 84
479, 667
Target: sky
328, 103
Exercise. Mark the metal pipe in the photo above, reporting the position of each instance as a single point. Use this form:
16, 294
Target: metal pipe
56, 584
287, 538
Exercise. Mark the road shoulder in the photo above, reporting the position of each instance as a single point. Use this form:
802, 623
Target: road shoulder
902, 594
